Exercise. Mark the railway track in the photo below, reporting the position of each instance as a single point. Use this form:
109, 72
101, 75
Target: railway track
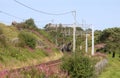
48, 68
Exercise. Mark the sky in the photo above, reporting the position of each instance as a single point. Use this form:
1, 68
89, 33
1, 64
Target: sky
101, 14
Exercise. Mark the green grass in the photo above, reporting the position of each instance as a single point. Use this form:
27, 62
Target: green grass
9, 31
45, 34
17, 57
113, 68
12, 56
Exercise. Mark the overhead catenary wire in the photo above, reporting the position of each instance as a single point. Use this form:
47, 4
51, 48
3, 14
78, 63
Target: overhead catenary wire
42, 12
43, 20
5, 21
8, 14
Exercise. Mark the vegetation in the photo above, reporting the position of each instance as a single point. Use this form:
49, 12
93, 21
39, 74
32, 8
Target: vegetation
33, 51
24, 44
61, 35
27, 39
28, 24
31, 73
111, 38
2, 38
97, 36
78, 66
113, 68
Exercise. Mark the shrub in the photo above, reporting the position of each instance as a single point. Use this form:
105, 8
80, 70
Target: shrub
78, 66
27, 39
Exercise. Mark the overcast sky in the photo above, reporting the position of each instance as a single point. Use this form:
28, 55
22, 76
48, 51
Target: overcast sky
101, 13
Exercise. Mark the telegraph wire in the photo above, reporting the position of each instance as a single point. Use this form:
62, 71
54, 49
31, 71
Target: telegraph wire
42, 12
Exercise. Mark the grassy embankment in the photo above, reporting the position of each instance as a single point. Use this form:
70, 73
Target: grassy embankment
113, 68
15, 57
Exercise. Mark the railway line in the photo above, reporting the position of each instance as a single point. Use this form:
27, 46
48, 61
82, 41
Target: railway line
49, 68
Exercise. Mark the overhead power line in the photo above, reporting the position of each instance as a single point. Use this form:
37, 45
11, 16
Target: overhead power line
10, 15
42, 12
43, 20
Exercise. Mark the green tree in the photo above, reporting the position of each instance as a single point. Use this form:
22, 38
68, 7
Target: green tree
30, 23
97, 36
111, 37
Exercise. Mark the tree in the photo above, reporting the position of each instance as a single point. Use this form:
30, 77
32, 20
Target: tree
89, 30
79, 29
30, 23
47, 27
97, 36
111, 37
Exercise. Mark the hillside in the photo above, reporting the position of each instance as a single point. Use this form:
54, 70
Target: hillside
14, 56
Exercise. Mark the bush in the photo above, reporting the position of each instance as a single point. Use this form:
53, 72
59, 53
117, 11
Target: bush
27, 39
78, 66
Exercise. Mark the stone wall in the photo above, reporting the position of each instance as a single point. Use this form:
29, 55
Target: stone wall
100, 66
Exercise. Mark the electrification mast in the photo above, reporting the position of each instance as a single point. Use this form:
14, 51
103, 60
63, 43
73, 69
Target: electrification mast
74, 30
92, 40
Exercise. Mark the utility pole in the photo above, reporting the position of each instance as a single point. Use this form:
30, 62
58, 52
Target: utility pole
74, 30
86, 34
92, 40
56, 36
65, 31
86, 42
56, 32
86, 39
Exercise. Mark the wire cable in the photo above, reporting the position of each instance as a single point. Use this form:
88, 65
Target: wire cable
41, 11
19, 17
43, 20
10, 15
